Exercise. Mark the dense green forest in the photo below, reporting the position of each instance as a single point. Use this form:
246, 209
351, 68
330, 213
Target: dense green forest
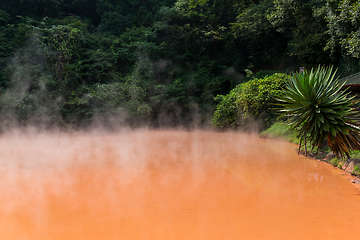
158, 62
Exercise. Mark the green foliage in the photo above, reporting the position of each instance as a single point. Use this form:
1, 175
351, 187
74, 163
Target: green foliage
303, 23
281, 131
162, 57
260, 74
118, 98
226, 112
336, 162
115, 23
356, 170
343, 27
248, 101
341, 164
318, 108
252, 28
355, 154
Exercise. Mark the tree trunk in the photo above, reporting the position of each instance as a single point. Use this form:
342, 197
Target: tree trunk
305, 146
300, 144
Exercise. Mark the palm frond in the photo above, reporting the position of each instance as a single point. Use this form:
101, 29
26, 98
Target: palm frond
320, 110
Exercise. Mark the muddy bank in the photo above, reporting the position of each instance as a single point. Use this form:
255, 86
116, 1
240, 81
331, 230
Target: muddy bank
169, 185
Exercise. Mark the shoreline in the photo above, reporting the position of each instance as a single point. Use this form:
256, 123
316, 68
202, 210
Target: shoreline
346, 168
353, 179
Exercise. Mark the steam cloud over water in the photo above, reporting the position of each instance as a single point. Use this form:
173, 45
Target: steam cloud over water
148, 184
38, 95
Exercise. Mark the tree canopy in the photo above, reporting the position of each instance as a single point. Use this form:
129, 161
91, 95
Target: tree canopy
158, 61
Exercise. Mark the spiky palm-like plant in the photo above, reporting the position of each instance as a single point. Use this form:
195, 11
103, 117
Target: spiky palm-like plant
318, 108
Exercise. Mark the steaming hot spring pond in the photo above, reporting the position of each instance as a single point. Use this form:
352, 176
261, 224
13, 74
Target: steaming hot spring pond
165, 185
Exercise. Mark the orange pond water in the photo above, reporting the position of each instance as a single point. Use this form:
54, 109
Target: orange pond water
165, 185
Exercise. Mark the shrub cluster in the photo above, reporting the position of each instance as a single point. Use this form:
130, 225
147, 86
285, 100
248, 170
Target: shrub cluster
248, 101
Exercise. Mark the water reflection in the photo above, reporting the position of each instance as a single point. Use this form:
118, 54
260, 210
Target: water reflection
315, 177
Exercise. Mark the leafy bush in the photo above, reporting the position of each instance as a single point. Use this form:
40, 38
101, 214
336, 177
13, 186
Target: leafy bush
335, 162
260, 74
355, 154
340, 165
356, 170
250, 100
226, 112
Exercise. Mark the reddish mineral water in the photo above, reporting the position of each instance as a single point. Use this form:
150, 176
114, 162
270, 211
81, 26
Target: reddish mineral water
166, 185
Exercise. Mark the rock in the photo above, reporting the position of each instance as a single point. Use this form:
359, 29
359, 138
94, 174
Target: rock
356, 180
349, 166
330, 155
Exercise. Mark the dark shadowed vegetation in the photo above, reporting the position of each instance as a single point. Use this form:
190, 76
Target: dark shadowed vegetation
79, 62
